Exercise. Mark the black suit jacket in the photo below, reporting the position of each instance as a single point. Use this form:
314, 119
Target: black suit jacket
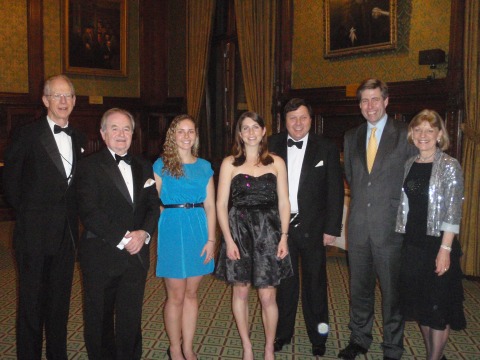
36, 185
320, 190
107, 211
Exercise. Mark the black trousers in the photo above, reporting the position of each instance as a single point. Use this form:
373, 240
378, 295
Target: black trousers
44, 288
309, 268
113, 310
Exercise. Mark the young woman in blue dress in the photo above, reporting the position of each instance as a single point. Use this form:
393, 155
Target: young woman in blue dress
186, 231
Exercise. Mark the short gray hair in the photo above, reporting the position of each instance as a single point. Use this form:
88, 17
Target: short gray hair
48, 82
103, 122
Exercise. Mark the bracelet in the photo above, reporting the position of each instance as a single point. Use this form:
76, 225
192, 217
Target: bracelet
210, 240
286, 234
446, 247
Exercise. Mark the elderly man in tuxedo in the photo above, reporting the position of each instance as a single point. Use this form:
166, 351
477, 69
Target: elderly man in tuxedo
39, 177
316, 196
375, 155
119, 208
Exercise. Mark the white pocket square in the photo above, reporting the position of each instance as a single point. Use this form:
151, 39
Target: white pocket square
149, 182
319, 164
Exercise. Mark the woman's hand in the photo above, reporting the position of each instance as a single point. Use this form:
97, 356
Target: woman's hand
209, 251
232, 251
442, 261
282, 248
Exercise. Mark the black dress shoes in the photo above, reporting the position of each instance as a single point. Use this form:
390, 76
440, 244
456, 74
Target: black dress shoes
318, 350
351, 351
278, 344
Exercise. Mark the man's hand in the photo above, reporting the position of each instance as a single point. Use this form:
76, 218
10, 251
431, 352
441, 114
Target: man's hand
137, 240
328, 239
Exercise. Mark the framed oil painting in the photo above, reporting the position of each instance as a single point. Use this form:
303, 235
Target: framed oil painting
359, 26
95, 37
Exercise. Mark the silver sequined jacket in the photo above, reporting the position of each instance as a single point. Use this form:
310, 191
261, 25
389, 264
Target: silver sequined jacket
445, 196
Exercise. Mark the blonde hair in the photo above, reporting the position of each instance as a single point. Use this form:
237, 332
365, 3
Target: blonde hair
172, 163
435, 121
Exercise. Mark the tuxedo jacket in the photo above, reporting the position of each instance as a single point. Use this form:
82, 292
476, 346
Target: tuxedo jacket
107, 211
36, 185
375, 196
320, 190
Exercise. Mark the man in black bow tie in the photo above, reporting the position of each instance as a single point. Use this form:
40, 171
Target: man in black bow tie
316, 198
39, 177
119, 208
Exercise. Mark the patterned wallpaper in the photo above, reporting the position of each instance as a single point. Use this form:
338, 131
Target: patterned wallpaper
14, 52
14, 49
86, 84
421, 25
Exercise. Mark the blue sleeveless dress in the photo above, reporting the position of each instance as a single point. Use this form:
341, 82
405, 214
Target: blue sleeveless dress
182, 233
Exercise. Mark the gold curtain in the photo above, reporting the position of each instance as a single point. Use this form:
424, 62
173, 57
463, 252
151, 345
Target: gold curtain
199, 25
256, 38
470, 233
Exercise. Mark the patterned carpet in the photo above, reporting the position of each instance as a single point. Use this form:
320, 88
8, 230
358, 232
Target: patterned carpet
217, 336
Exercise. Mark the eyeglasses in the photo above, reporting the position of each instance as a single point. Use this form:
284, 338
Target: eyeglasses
57, 97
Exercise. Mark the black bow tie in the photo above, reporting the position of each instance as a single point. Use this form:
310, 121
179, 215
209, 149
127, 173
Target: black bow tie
58, 129
291, 142
127, 158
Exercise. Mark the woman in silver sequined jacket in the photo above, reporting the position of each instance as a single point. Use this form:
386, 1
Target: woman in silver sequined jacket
430, 284
445, 196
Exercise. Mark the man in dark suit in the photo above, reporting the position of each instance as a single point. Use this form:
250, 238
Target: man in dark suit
119, 208
375, 155
39, 177
316, 198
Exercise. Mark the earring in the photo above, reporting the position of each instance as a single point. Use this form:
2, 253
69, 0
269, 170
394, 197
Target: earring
438, 141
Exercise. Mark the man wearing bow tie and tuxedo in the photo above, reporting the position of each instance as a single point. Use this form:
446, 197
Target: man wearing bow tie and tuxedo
316, 196
39, 177
119, 208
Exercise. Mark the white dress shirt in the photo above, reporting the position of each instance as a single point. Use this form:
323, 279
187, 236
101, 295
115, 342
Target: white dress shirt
380, 126
126, 171
295, 161
64, 144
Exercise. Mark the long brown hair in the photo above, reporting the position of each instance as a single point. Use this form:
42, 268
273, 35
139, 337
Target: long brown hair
238, 149
172, 163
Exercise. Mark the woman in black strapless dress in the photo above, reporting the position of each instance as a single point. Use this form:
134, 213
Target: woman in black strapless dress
254, 251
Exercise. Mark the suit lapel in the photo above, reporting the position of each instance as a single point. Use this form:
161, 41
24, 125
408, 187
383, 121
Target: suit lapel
362, 145
111, 168
76, 150
48, 141
308, 159
387, 143
137, 180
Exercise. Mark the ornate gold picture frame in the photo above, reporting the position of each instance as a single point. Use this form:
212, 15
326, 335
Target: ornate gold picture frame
359, 26
95, 37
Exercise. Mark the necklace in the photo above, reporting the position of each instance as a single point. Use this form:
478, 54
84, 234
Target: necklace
425, 159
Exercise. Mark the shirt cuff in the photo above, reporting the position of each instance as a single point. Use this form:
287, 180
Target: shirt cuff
125, 241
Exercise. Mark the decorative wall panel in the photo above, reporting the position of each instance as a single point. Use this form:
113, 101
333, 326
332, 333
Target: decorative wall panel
14, 49
421, 25
86, 84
